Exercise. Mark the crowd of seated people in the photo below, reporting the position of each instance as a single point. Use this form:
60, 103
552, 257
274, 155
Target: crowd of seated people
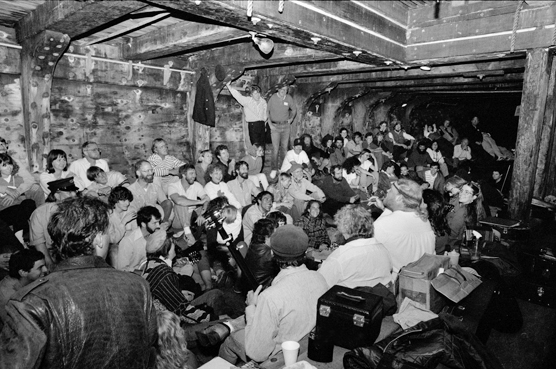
377, 201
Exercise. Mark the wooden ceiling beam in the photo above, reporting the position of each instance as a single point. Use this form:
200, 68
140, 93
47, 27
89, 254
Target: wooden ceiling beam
178, 38
72, 17
345, 71
484, 27
248, 57
301, 22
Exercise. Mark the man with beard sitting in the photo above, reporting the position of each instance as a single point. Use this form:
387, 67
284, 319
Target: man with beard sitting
243, 189
147, 193
131, 251
337, 190
188, 196
420, 160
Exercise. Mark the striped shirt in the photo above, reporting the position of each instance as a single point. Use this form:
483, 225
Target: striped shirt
165, 287
161, 166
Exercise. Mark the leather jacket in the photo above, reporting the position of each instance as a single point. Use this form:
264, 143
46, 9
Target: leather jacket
83, 315
443, 341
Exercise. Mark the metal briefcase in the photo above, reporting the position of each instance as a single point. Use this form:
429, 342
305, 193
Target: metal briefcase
349, 317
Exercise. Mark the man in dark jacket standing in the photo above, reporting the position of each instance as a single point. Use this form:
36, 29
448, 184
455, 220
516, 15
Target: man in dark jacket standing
85, 314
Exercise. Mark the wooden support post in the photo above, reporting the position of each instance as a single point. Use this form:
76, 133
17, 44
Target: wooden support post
39, 56
547, 150
533, 102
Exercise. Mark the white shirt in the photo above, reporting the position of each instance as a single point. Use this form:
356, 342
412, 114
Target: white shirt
462, 154
292, 156
430, 178
193, 192
361, 262
79, 168
406, 237
132, 251
349, 177
212, 190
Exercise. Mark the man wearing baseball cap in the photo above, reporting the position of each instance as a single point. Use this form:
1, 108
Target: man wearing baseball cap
285, 311
296, 155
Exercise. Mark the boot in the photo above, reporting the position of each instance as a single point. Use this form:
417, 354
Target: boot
213, 335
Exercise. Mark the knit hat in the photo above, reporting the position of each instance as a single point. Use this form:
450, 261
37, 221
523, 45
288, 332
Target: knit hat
289, 242
294, 167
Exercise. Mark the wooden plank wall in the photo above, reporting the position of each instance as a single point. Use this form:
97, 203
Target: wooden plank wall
122, 109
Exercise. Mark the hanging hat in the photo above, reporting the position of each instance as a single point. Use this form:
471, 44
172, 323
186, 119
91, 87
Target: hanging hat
220, 72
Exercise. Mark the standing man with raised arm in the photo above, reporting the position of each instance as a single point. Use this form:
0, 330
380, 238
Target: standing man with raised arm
255, 110
281, 113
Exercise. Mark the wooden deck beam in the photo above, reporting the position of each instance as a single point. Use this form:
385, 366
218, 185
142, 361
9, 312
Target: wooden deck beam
302, 21
72, 17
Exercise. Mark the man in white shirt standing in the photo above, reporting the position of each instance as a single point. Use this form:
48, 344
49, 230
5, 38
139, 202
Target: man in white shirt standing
402, 228
188, 196
91, 156
255, 110
297, 155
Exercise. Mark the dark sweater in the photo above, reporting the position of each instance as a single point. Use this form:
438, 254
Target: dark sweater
339, 191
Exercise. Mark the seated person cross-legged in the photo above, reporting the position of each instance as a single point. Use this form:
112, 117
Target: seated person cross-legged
314, 225
284, 311
299, 188
165, 285
338, 192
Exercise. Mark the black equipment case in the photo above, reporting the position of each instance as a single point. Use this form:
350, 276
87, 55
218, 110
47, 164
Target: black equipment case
538, 282
349, 317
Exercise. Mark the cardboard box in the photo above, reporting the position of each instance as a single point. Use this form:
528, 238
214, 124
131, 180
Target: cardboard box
415, 281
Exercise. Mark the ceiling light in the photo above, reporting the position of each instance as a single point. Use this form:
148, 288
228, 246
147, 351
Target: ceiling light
357, 52
404, 105
425, 68
265, 44
315, 39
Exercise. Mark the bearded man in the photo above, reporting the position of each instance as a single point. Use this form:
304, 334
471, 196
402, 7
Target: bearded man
147, 193
132, 249
243, 189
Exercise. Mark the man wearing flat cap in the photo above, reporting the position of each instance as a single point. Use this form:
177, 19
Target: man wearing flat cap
60, 190
285, 311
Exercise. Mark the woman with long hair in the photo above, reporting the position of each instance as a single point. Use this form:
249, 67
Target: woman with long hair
205, 159
314, 225
437, 211
452, 188
16, 205
172, 352
351, 171
466, 212
56, 168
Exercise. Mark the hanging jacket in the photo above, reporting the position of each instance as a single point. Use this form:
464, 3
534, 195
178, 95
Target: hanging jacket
204, 110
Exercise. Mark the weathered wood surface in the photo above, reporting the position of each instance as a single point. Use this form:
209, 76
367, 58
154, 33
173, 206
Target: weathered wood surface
298, 24
533, 102
12, 128
39, 56
123, 120
247, 55
177, 38
73, 18
478, 28
545, 176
